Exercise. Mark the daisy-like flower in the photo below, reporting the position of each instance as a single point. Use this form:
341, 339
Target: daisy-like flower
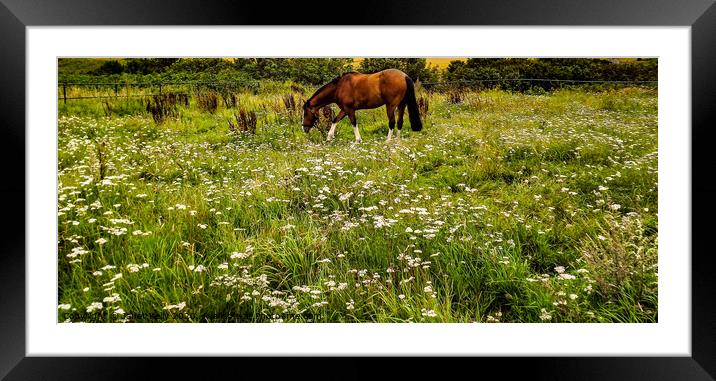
544, 315
177, 307
94, 307
112, 299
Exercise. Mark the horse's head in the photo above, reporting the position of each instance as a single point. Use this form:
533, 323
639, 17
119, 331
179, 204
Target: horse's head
310, 117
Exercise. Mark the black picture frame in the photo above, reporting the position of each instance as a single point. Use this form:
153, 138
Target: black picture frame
700, 15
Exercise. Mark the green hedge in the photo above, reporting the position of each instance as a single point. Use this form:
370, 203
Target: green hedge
578, 69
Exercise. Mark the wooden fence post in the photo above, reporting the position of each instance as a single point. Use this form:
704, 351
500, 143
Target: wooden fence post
64, 91
116, 90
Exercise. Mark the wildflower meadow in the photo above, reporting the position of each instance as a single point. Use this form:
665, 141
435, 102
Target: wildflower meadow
217, 207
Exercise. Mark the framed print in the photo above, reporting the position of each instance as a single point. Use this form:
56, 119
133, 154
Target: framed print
238, 189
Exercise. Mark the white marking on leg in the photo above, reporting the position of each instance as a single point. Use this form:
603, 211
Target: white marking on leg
332, 132
390, 134
357, 133
397, 136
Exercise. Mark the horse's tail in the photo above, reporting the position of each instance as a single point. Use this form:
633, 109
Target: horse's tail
413, 112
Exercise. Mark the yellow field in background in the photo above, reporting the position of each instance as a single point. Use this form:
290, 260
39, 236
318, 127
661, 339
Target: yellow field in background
441, 63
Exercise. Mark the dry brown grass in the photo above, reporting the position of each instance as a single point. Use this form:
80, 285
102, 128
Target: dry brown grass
456, 96
245, 122
423, 107
207, 101
164, 106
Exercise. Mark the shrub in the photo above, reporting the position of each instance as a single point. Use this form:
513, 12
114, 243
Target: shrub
109, 67
165, 106
207, 101
415, 68
456, 96
423, 107
289, 102
501, 71
245, 122
228, 97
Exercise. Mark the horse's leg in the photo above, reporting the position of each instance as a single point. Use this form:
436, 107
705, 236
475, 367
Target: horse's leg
352, 117
401, 111
391, 120
332, 131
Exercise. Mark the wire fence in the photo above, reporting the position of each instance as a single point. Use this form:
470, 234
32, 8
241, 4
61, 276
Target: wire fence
470, 81
115, 88
132, 95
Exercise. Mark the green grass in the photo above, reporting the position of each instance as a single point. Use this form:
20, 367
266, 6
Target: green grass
506, 207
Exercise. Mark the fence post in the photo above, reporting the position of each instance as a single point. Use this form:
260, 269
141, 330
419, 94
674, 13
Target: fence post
116, 90
160, 88
64, 91
126, 89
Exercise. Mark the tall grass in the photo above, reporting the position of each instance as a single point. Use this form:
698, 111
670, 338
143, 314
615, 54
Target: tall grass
505, 208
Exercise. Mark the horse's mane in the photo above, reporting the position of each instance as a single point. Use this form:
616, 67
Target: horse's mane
332, 82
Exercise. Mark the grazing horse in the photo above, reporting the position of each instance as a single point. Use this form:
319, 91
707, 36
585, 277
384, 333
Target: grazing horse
356, 91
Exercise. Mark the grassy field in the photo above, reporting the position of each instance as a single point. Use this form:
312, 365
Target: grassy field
505, 208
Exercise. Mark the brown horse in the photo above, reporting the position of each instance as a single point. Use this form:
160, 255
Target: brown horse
355, 91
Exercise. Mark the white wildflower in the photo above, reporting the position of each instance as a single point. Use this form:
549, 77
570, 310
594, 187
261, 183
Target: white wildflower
94, 306
544, 315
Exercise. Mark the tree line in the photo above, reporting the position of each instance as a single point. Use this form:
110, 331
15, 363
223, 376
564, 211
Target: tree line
502, 71
315, 71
